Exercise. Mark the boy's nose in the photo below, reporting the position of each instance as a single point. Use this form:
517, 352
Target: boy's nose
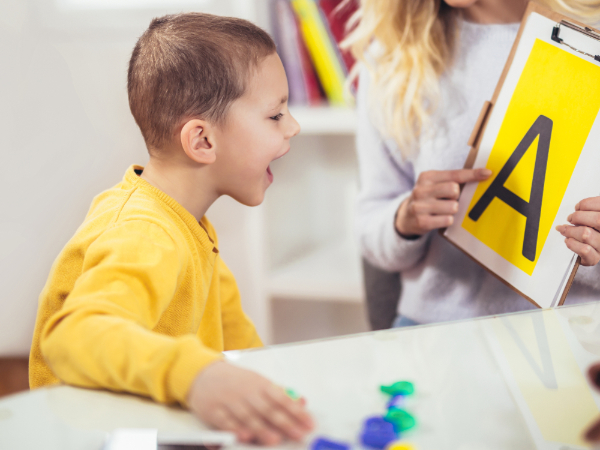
294, 127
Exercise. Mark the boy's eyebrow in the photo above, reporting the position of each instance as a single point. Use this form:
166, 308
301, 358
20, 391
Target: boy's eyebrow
281, 102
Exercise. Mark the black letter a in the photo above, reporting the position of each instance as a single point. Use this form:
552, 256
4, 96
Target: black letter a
531, 210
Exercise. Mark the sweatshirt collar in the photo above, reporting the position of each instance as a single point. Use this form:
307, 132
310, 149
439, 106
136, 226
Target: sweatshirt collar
199, 229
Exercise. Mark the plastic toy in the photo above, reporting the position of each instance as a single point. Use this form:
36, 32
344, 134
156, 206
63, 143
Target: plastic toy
292, 394
400, 446
322, 443
399, 388
397, 401
377, 433
401, 419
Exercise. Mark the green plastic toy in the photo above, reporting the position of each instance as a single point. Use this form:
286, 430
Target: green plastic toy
401, 419
292, 394
399, 388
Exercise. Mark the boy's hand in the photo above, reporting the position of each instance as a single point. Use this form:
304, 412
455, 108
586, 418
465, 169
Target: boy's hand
239, 400
433, 201
584, 237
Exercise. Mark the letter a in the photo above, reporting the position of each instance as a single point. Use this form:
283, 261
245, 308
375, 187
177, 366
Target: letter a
532, 210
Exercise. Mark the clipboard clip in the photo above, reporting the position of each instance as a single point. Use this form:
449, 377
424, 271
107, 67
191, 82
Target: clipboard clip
584, 30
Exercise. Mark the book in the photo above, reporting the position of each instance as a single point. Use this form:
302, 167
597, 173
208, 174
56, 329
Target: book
303, 82
322, 50
337, 13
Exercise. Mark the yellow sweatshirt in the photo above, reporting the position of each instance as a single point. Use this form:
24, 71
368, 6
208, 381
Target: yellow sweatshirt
139, 300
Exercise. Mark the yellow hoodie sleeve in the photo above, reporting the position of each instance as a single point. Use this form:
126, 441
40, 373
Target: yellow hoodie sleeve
238, 329
102, 336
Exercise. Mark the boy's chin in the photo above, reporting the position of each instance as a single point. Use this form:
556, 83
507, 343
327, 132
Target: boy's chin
249, 200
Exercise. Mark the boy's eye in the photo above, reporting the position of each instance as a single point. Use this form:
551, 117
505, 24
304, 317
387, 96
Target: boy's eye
277, 117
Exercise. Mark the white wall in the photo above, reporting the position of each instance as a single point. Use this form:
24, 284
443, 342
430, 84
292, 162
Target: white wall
66, 134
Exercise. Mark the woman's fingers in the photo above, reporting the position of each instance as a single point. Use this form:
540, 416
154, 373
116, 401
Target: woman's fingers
584, 241
588, 204
435, 207
585, 235
432, 203
585, 218
589, 255
428, 222
446, 190
459, 176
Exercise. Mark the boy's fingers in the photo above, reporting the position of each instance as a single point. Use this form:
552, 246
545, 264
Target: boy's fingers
254, 423
224, 420
589, 256
279, 419
284, 422
294, 408
459, 176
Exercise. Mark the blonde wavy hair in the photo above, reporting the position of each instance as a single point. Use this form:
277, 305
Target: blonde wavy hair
415, 43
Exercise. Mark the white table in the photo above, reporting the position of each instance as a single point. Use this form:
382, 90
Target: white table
471, 380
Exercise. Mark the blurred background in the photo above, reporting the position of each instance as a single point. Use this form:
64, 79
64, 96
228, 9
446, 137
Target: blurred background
66, 134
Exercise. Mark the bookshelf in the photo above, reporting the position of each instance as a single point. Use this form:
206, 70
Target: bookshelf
328, 273
312, 283
312, 262
325, 120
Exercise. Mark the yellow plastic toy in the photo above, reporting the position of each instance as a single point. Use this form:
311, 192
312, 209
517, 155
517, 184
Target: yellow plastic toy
400, 446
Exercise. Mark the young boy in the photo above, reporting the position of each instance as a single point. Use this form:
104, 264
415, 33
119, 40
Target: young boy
140, 300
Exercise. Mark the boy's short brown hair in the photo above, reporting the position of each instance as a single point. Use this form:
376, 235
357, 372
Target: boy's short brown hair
191, 65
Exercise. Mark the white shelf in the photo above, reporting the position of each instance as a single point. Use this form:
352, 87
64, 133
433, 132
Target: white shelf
330, 273
325, 119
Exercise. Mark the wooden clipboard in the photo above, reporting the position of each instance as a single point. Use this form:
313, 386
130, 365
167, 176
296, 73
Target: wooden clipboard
486, 111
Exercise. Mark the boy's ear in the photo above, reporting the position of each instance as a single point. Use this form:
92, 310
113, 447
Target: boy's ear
197, 141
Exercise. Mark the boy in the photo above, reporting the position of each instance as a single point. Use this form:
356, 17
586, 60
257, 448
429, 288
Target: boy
139, 300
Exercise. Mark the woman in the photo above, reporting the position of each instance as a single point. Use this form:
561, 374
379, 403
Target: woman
427, 68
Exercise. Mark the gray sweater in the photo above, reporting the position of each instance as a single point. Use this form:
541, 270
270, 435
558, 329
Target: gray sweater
439, 282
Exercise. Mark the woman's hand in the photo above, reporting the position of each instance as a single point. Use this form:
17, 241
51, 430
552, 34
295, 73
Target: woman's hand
434, 200
583, 235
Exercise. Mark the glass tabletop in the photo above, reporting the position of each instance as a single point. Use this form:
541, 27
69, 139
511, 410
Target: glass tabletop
510, 382
515, 381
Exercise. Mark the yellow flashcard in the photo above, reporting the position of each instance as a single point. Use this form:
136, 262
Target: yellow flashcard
545, 128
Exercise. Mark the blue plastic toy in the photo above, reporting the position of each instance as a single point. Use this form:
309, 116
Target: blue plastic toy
377, 433
321, 443
397, 401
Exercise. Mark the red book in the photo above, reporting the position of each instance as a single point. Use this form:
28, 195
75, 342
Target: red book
305, 88
336, 17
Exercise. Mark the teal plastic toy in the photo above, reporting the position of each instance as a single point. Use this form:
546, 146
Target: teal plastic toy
400, 419
292, 394
399, 388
